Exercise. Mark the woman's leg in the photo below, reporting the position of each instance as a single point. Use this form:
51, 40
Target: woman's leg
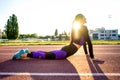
59, 54
70, 49
50, 55
56, 54
41, 54
25, 56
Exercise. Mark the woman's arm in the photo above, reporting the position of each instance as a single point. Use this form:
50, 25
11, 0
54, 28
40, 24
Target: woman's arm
85, 48
90, 47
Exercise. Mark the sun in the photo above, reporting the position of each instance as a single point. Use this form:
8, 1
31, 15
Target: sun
76, 27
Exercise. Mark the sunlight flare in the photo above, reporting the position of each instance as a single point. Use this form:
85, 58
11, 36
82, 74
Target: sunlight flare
76, 27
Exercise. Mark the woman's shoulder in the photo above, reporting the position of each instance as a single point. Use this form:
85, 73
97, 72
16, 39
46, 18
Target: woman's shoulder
85, 29
85, 26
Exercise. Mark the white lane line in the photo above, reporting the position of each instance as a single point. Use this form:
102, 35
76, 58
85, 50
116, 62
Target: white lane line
60, 74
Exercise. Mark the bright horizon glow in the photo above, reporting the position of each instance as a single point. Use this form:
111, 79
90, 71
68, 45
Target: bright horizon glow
44, 16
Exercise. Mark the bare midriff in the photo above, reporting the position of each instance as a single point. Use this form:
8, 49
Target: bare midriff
77, 45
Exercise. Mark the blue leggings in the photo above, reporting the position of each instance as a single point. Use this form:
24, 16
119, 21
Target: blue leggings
56, 54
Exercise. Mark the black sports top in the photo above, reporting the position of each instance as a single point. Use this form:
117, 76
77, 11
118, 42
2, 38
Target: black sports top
82, 34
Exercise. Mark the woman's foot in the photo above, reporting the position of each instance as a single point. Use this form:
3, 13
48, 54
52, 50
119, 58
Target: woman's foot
17, 55
21, 54
27, 50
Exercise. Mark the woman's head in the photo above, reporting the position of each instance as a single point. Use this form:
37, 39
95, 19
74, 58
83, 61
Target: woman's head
80, 18
77, 26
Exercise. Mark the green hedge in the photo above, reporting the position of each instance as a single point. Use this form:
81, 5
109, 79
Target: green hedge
35, 42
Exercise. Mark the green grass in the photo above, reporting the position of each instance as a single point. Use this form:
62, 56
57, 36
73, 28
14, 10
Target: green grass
32, 42
35, 42
106, 42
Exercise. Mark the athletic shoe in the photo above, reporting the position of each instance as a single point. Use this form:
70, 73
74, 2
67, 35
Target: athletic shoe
17, 55
26, 50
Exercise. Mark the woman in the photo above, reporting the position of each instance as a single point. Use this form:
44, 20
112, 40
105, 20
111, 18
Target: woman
79, 37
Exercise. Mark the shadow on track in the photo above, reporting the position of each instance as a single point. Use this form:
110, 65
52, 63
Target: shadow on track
94, 67
39, 66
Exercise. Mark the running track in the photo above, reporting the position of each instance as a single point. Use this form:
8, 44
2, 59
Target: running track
76, 67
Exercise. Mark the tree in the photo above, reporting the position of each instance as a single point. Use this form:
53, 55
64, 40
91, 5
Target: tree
0, 34
56, 32
60, 36
65, 35
11, 28
4, 35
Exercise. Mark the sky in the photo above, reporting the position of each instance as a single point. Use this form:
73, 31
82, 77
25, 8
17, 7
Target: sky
44, 16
